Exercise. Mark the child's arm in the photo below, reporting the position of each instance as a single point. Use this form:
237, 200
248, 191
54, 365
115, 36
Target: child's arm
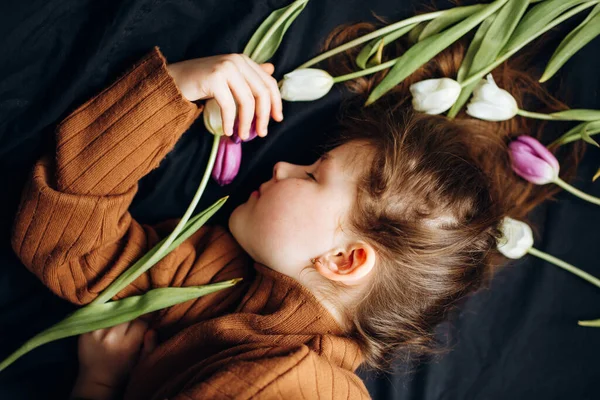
73, 228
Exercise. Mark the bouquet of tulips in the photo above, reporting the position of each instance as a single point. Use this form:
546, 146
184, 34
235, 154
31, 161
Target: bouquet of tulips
503, 28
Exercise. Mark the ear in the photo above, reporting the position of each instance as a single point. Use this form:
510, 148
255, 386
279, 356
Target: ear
349, 265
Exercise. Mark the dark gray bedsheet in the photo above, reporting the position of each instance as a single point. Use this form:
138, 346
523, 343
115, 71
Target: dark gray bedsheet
516, 340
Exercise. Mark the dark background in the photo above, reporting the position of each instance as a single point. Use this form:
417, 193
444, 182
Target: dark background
518, 339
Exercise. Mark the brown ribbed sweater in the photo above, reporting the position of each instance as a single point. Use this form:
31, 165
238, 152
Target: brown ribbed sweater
266, 338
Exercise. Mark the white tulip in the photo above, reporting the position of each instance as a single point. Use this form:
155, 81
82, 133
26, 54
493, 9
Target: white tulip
491, 103
306, 84
212, 117
434, 96
517, 238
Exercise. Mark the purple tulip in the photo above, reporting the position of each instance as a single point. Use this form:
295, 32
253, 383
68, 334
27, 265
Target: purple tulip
532, 161
252, 133
227, 164
229, 156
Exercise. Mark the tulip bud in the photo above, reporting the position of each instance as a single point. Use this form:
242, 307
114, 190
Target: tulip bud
532, 161
212, 118
491, 103
434, 96
516, 240
252, 134
305, 84
214, 123
227, 163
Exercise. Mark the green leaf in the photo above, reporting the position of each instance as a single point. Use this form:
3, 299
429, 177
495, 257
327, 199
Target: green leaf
465, 66
537, 18
499, 33
488, 45
372, 36
594, 323
513, 46
413, 35
371, 48
104, 315
596, 175
267, 38
378, 56
449, 18
425, 50
573, 42
585, 135
575, 133
577, 115
151, 258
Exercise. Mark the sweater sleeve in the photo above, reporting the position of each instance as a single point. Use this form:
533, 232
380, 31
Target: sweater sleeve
279, 373
73, 229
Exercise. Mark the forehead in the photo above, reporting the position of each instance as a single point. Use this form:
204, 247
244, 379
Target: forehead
349, 158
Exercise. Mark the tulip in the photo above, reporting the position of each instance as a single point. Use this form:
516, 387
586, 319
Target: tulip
305, 84
227, 164
213, 123
212, 118
534, 163
434, 96
229, 154
517, 238
252, 134
491, 103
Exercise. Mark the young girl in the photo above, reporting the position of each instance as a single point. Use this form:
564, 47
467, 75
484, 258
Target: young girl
356, 257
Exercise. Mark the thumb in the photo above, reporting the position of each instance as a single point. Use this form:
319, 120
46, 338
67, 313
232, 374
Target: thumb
150, 343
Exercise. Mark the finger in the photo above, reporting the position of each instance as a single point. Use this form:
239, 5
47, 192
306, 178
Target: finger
245, 102
260, 92
226, 103
136, 330
265, 71
117, 331
98, 334
271, 90
268, 68
150, 343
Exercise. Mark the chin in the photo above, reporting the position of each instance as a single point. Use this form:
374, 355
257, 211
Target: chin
234, 223
236, 227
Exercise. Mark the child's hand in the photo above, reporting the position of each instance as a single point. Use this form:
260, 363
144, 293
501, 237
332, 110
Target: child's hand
232, 79
106, 357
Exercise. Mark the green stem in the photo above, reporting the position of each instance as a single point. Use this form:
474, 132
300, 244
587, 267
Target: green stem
566, 266
274, 28
536, 115
478, 75
366, 71
122, 281
594, 323
372, 35
573, 138
577, 192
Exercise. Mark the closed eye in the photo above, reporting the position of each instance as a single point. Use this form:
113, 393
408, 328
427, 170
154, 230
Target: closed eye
311, 176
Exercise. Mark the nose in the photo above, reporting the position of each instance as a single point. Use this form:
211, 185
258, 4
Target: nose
279, 171
283, 170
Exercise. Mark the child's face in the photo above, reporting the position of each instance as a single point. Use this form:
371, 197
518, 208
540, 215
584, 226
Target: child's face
293, 217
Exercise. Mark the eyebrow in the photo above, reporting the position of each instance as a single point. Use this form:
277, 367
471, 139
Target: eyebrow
325, 156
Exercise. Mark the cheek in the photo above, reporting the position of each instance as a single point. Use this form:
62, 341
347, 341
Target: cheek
286, 226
